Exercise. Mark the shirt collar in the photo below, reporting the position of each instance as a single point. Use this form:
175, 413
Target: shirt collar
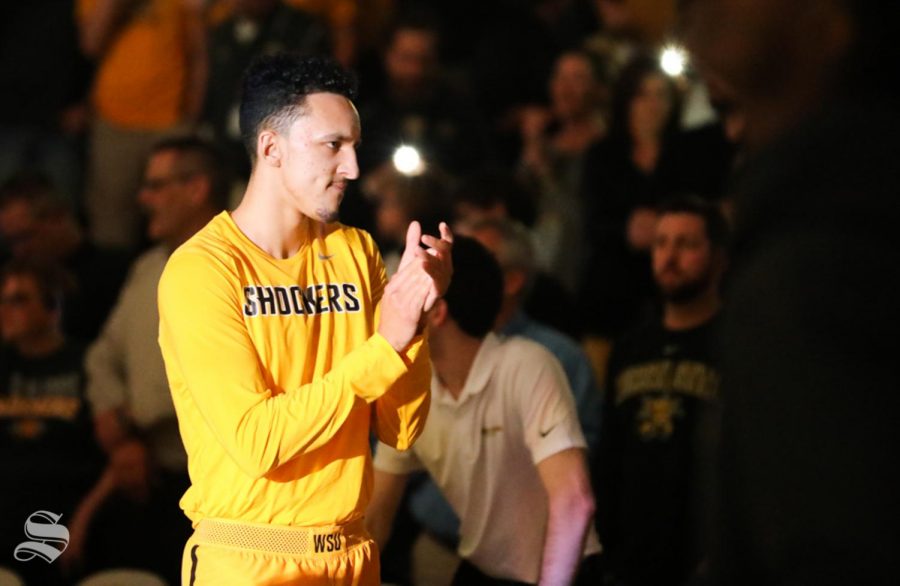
479, 374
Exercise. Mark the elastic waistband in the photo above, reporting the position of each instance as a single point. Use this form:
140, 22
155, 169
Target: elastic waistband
320, 540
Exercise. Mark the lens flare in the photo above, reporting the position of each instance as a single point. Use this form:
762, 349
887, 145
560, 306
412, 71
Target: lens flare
408, 161
673, 60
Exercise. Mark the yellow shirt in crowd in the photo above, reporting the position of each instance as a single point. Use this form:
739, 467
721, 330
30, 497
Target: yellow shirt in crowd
141, 78
276, 373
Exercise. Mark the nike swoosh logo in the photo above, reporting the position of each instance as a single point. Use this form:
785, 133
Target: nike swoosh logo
544, 433
325, 256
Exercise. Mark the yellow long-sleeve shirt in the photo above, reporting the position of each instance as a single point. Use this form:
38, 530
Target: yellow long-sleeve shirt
276, 373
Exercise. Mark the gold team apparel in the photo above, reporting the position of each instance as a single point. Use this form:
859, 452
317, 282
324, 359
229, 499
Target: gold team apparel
277, 373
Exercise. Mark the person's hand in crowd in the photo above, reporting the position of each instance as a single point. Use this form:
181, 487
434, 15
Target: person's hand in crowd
533, 122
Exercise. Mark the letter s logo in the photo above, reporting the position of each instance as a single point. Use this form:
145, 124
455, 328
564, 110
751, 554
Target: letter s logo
43, 528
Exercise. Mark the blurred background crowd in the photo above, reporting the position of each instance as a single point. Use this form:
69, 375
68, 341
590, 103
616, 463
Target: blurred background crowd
556, 127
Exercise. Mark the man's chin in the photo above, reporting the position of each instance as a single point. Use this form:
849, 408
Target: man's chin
327, 216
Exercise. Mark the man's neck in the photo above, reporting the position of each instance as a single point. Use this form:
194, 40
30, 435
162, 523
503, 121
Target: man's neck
265, 219
691, 314
508, 310
452, 357
40, 345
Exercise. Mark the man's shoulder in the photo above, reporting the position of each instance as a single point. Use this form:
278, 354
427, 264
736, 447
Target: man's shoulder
214, 245
216, 238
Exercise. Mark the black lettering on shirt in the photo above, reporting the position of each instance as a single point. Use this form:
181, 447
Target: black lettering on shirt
351, 302
250, 308
260, 300
283, 300
266, 299
334, 293
309, 302
297, 300
320, 307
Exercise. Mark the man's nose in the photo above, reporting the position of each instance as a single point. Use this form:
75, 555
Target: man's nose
349, 168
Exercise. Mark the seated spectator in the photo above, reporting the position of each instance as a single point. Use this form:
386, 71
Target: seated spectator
185, 185
47, 451
510, 243
653, 467
502, 441
34, 223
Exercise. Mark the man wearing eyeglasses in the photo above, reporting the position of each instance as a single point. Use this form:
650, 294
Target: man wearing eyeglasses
184, 186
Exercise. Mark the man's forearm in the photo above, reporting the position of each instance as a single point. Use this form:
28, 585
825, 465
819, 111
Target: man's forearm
570, 510
387, 492
567, 527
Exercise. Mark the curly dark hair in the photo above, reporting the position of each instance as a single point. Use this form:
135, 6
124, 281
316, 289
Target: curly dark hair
275, 89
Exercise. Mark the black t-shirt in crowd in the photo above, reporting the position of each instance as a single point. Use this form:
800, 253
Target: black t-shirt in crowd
46, 432
655, 452
48, 456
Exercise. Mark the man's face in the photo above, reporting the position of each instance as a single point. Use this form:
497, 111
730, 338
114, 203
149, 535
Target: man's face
410, 59
651, 106
683, 259
572, 86
167, 196
23, 314
319, 155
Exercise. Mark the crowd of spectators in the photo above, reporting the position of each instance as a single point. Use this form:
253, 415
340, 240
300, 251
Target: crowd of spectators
547, 130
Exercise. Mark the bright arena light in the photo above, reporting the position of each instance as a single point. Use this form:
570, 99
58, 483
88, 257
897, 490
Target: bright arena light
673, 60
408, 161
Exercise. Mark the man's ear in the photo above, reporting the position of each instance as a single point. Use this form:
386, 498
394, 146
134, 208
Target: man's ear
200, 189
268, 148
439, 314
514, 281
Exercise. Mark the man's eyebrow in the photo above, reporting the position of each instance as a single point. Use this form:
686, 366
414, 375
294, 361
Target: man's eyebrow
336, 136
340, 137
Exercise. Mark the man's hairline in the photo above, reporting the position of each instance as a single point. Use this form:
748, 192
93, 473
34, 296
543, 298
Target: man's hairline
295, 111
707, 229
